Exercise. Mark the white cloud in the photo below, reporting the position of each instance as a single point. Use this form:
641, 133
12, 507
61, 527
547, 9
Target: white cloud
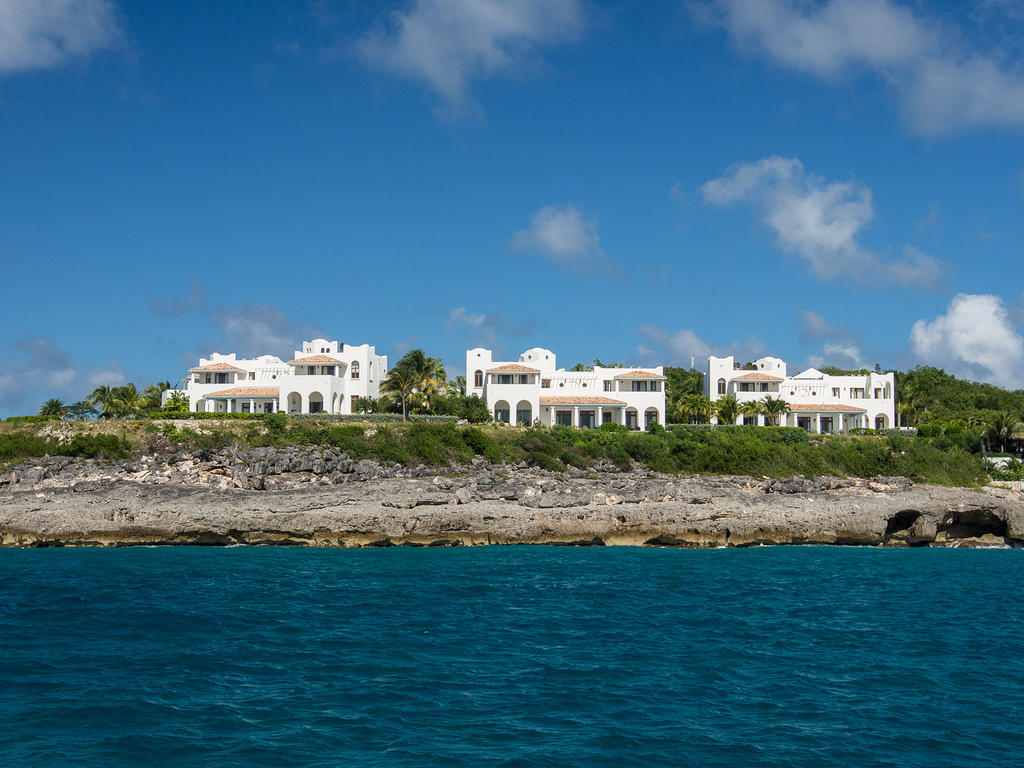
459, 317
36, 369
39, 34
562, 235
677, 347
819, 221
261, 329
942, 85
447, 44
974, 339
814, 327
839, 355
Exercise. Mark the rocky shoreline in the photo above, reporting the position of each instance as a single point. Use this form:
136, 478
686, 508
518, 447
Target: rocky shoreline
322, 497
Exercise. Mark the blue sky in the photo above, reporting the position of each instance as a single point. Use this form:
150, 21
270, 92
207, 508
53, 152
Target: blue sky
839, 182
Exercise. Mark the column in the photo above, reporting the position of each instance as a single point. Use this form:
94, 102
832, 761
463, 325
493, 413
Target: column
252, 406
576, 416
817, 419
227, 405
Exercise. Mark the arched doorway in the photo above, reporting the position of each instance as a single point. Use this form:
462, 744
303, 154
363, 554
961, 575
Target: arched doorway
501, 412
632, 419
294, 402
316, 402
524, 413
881, 422
650, 417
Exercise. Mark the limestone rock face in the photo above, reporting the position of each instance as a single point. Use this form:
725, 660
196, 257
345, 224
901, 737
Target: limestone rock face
322, 497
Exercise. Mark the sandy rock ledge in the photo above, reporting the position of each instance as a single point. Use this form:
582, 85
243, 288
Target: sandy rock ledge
319, 498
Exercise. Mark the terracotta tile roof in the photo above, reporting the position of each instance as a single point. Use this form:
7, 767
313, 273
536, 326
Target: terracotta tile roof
639, 375
515, 368
315, 359
571, 400
217, 367
756, 376
246, 392
828, 408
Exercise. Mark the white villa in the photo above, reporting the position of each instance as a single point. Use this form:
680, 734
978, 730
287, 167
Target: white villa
533, 389
818, 402
324, 377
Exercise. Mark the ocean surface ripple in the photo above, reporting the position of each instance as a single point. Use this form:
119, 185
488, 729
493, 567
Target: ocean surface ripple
512, 656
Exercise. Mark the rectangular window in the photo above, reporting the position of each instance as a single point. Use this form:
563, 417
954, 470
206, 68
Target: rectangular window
207, 378
857, 393
222, 378
835, 391
545, 383
606, 417
563, 418
764, 387
505, 378
631, 420
744, 387
639, 386
524, 379
310, 370
328, 370
609, 386
252, 375
655, 386
523, 416
245, 408
878, 393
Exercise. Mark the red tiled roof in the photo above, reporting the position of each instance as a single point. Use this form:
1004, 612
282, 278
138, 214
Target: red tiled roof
571, 400
314, 359
217, 367
246, 392
639, 375
756, 376
515, 368
828, 408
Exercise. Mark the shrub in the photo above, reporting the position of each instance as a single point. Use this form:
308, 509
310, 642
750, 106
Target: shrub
275, 422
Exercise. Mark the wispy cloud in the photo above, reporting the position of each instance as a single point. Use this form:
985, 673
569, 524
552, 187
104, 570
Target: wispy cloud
487, 330
36, 368
449, 44
942, 84
40, 34
250, 329
661, 346
819, 221
975, 338
563, 236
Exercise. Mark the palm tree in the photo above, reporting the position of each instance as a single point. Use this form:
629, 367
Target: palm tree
695, 407
152, 395
458, 384
54, 407
727, 409
752, 408
126, 401
904, 412
102, 396
773, 408
1003, 426
429, 373
401, 381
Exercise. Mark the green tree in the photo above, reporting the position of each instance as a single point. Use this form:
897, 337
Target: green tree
773, 408
151, 396
54, 407
727, 409
80, 411
126, 401
752, 408
103, 398
1002, 428
428, 373
176, 403
694, 408
402, 383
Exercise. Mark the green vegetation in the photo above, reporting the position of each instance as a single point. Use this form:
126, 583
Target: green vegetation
757, 451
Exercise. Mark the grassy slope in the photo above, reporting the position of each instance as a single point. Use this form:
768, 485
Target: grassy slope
731, 450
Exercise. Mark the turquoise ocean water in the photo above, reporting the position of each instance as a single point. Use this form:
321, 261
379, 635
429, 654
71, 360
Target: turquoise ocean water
515, 656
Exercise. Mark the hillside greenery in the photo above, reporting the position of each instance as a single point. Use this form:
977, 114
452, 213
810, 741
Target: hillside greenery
756, 451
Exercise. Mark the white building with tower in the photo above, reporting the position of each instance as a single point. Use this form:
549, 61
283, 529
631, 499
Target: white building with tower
818, 402
323, 377
533, 389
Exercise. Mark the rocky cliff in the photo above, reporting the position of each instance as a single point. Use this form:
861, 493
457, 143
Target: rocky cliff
321, 497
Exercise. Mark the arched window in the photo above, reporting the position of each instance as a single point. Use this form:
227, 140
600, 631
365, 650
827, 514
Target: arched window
721, 386
478, 379
355, 370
